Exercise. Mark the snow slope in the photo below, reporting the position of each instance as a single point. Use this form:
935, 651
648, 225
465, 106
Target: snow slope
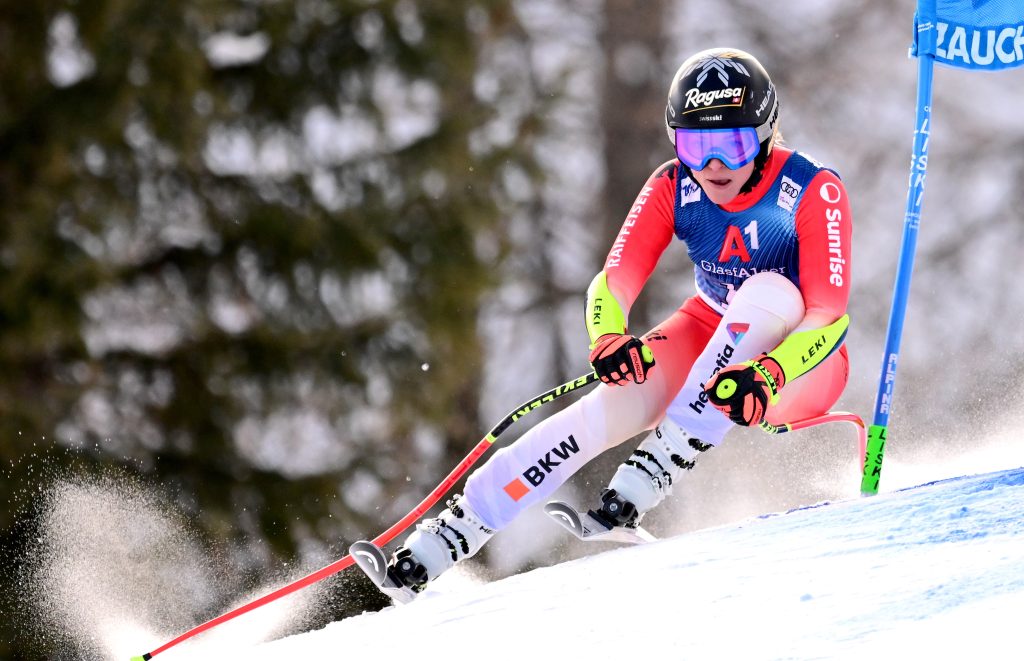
935, 571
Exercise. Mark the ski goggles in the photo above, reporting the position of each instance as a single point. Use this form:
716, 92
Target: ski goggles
734, 147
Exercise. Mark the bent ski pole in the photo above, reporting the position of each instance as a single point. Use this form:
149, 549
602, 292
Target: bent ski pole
831, 416
405, 522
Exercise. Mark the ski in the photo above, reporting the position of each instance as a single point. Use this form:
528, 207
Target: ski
588, 528
371, 560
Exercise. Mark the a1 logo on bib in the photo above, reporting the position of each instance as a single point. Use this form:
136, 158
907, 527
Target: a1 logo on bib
789, 190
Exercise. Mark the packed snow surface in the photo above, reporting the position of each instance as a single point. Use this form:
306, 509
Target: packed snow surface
934, 571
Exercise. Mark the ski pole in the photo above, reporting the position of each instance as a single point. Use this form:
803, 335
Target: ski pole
831, 416
395, 530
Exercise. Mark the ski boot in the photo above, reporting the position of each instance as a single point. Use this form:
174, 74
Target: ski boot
639, 484
647, 477
433, 548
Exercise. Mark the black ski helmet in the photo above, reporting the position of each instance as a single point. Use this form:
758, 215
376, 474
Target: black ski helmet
724, 88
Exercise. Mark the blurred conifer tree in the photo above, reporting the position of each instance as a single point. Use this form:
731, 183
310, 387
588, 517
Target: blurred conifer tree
243, 251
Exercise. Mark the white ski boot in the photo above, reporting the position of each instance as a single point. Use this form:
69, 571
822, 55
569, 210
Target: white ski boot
646, 478
437, 544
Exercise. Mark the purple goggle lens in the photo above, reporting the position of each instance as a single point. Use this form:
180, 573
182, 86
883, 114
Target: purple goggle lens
734, 147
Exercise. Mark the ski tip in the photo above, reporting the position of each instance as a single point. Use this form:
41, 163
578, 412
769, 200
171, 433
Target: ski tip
371, 559
590, 529
568, 517
144, 657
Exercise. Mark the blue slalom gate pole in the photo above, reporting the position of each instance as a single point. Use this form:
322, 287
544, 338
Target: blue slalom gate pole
878, 431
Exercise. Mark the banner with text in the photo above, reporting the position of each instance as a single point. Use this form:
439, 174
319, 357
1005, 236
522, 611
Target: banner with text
971, 34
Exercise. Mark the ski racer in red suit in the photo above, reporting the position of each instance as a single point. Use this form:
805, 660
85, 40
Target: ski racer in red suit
769, 232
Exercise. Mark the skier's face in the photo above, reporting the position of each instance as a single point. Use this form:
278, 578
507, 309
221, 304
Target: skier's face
721, 184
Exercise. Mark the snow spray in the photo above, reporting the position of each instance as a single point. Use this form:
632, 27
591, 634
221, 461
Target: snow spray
115, 569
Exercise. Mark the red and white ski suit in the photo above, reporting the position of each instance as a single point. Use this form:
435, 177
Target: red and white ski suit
809, 288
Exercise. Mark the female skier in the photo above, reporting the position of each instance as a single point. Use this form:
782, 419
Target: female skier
769, 233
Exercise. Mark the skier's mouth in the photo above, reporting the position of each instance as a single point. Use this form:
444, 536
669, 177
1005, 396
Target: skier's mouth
719, 183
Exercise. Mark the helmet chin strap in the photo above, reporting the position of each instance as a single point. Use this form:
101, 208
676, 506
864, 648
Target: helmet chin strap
759, 162
768, 131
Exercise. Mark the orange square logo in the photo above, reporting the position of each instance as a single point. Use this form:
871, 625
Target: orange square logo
516, 489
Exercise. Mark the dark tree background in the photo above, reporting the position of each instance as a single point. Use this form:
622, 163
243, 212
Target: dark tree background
243, 250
